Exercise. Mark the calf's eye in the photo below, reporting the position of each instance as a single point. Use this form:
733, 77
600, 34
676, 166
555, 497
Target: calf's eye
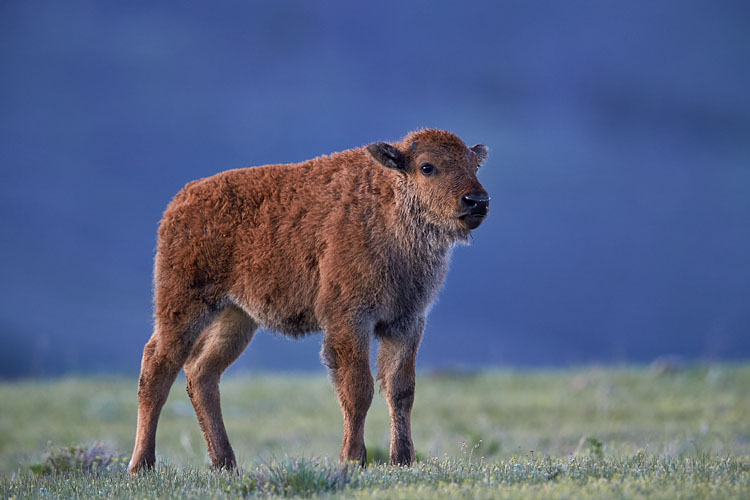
427, 169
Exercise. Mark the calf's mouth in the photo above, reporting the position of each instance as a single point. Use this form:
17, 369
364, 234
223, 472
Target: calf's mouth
472, 221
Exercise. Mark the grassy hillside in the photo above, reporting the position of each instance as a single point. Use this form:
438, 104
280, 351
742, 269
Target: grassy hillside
628, 432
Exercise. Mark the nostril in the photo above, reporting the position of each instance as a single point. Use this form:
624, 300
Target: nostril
476, 202
469, 202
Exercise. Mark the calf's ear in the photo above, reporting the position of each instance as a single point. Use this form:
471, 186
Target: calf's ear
387, 155
481, 151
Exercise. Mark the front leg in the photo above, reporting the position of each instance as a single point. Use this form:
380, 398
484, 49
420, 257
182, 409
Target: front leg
396, 372
346, 352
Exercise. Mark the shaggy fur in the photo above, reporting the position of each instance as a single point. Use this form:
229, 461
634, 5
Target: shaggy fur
355, 244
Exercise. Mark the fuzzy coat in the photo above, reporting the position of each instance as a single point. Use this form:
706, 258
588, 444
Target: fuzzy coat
354, 244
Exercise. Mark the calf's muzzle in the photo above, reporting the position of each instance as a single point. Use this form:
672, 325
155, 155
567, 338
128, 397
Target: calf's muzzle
476, 205
477, 202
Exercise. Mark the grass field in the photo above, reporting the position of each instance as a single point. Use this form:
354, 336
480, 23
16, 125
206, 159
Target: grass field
588, 433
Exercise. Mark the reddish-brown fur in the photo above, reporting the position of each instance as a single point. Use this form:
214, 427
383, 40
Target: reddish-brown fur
355, 244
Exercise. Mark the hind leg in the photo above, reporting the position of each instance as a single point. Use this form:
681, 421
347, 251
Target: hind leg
163, 357
218, 347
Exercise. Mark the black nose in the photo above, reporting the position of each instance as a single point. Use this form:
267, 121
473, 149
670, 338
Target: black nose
477, 202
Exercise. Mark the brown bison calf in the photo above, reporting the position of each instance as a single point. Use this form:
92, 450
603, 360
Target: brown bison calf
355, 244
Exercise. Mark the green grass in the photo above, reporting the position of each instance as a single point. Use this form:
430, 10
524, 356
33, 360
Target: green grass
588, 433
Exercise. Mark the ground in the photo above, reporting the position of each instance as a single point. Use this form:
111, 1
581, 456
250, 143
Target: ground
633, 432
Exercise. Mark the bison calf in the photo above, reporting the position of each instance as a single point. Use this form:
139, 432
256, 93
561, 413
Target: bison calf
355, 244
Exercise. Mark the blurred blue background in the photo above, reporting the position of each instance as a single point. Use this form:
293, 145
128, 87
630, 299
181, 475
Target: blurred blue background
619, 167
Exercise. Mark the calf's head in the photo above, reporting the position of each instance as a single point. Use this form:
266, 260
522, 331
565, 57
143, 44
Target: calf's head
441, 174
